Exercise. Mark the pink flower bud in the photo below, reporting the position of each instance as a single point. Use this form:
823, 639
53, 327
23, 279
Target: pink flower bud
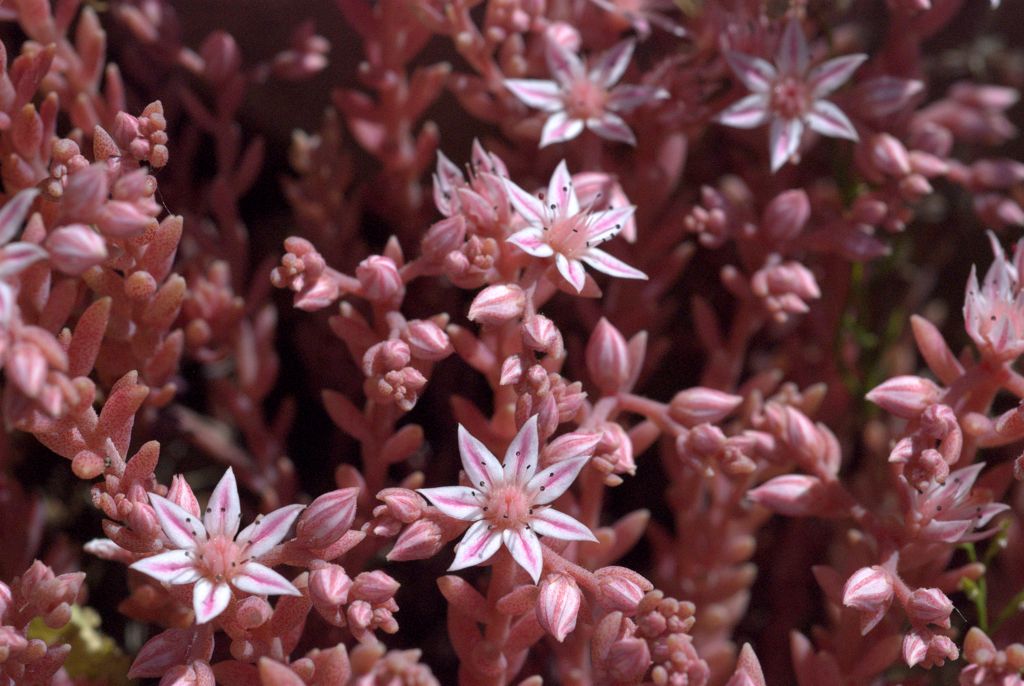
119, 219
386, 356
360, 614
792, 495
420, 540
75, 247
427, 341
374, 587
327, 518
786, 215
572, 444
541, 334
607, 358
905, 396
221, 57
558, 605
85, 192
329, 586
621, 589
702, 405
628, 660
404, 505
511, 370
922, 647
869, 591
929, 606
496, 305
253, 612
380, 279
889, 155
444, 237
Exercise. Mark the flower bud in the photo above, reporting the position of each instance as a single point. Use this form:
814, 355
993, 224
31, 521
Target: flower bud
929, 606
444, 237
180, 493
628, 660
607, 358
541, 334
374, 587
329, 586
427, 340
699, 405
420, 540
511, 370
869, 591
496, 305
558, 605
889, 156
792, 495
404, 505
905, 396
75, 248
327, 518
786, 215
380, 279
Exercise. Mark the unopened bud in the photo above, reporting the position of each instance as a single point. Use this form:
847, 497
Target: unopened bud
374, 587
327, 518
869, 591
558, 605
905, 396
329, 586
75, 248
496, 305
607, 358
380, 279
702, 405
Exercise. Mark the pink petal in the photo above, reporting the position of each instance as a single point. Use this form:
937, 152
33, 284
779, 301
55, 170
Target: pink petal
268, 530
612, 127
792, 56
458, 502
784, 139
564, 64
561, 192
526, 204
829, 120
521, 456
477, 546
17, 257
224, 512
571, 271
830, 75
755, 73
559, 128
209, 599
611, 65
531, 241
481, 466
12, 214
172, 567
603, 262
628, 97
180, 527
554, 480
525, 549
541, 95
259, 579
607, 224
550, 522
746, 113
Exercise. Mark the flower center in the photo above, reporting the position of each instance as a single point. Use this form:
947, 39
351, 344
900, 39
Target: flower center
568, 235
790, 97
507, 507
585, 100
218, 558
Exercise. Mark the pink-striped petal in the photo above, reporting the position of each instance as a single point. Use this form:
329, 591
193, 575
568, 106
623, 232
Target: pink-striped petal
829, 120
784, 140
830, 75
12, 214
564, 64
628, 97
209, 599
477, 546
746, 113
224, 512
793, 55
571, 271
561, 192
560, 128
171, 567
531, 241
611, 65
612, 127
458, 502
268, 530
755, 73
607, 224
252, 577
180, 527
554, 524
526, 204
521, 456
554, 480
16, 257
525, 550
541, 95
603, 262
481, 466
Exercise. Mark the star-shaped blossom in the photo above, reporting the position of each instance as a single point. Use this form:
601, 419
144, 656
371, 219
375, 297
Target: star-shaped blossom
509, 505
579, 99
208, 553
556, 226
994, 312
790, 95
